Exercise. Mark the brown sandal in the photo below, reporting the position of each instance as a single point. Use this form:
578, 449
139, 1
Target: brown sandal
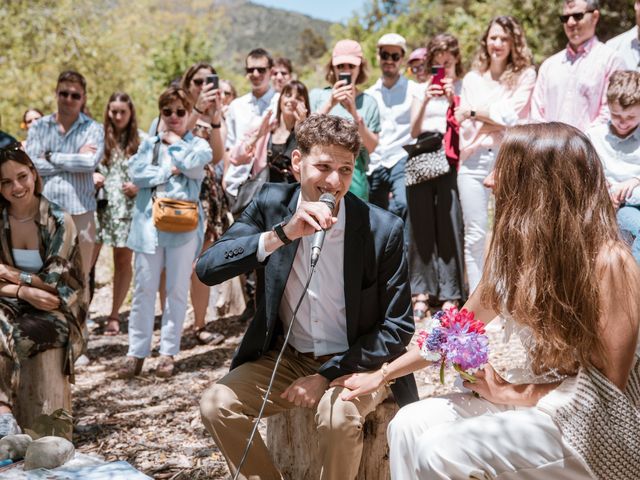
447, 304
131, 368
209, 338
113, 327
165, 367
420, 306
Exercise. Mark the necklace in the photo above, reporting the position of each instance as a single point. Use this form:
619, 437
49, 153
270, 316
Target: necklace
22, 220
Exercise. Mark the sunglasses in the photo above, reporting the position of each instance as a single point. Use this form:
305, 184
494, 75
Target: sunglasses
417, 69
74, 95
10, 151
198, 81
576, 16
346, 66
261, 70
393, 56
167, 112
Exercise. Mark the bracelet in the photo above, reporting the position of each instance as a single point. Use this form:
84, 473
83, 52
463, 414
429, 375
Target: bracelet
198, 111
18, 292
385, 372
215, 125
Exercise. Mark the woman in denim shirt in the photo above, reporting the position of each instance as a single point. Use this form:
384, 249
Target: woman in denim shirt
177, 173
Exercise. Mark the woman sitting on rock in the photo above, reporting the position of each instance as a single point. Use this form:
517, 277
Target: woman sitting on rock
42, 302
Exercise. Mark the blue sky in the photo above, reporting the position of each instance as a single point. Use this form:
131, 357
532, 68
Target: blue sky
332, 10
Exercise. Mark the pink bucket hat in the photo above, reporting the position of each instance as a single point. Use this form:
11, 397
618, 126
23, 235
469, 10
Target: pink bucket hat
418, 54
347, 51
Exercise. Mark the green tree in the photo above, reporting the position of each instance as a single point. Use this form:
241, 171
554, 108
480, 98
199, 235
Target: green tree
312, 46
115, 44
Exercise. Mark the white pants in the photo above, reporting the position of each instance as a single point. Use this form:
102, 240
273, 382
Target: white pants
177, 261
459, 436
474, 199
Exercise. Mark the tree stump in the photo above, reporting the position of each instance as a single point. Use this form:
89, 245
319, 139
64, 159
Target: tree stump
43, 387
293, 443
230, 300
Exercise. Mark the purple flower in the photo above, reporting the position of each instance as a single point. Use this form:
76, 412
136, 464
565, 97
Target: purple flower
468, 350
436, 339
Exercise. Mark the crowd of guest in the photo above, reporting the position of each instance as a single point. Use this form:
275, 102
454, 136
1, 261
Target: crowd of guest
429, 136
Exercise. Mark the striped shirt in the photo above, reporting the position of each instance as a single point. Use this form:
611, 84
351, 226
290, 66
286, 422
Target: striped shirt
68, 176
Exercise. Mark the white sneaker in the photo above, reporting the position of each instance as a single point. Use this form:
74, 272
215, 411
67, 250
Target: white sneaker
8, 425
82, 361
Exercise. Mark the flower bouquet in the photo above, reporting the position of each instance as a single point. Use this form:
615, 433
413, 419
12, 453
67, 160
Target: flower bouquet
454, 338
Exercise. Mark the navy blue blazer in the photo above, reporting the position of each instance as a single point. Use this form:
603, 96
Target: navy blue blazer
377, 291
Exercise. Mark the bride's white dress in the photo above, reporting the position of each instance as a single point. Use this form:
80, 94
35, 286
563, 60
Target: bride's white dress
459, 436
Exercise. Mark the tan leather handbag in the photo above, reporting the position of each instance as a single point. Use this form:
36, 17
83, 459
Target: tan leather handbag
174, 216
169, 215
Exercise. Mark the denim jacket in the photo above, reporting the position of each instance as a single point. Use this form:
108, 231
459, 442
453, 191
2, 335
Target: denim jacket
189, 155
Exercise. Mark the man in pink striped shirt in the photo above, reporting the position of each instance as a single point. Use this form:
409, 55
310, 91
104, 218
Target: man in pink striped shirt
572, 84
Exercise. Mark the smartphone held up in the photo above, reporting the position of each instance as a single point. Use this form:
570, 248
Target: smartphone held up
214, 80
437, 75
346, 76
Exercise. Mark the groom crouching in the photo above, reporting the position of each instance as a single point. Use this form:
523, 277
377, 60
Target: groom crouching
355, 317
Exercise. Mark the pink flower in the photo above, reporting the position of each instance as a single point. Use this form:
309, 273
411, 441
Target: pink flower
456, 339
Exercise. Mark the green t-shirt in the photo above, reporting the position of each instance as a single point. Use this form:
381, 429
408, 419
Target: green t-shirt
368, 110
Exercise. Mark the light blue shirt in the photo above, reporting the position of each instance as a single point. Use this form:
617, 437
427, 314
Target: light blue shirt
620, 157
189, 155
68, 177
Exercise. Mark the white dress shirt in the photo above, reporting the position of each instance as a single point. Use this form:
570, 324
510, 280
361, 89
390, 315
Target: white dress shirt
628, 47
244, 115
394, 105
321, 323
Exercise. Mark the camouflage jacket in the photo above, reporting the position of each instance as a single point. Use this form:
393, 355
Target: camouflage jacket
62, 268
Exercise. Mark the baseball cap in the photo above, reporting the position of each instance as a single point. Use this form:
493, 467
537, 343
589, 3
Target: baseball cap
347, 51
418, 54
393, 40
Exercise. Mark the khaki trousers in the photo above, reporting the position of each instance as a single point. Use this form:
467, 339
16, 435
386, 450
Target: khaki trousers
229, 408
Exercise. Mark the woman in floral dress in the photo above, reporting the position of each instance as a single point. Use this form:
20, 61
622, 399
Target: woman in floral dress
115, 196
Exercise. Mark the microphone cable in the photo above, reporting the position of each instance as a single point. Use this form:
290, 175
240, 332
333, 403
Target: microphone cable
273, 375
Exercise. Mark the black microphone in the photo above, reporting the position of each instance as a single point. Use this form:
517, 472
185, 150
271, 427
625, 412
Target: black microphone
318, 238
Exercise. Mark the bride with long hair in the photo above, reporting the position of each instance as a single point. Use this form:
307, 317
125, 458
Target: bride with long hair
560, 275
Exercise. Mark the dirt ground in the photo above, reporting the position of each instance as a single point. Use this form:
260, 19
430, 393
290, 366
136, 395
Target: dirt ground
154, 423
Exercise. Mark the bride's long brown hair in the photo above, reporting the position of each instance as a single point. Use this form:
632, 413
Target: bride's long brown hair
553, 215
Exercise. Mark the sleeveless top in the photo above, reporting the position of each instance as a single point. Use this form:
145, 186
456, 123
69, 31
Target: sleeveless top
597, 420
27, 260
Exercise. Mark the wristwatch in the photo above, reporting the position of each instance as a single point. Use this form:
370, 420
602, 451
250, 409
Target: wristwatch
25, 278
47, 155
280, 233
